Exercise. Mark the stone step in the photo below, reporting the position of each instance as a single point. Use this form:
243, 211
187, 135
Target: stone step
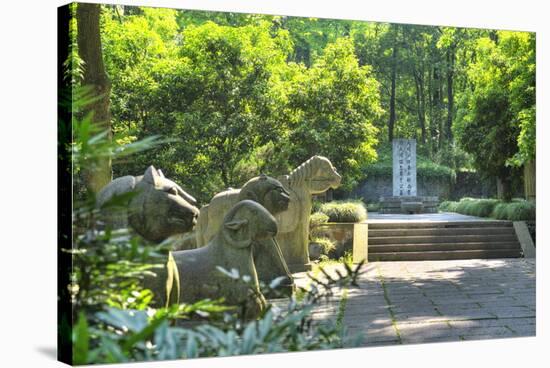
441, 231
443, 255
389, 248
441, 239
379, 225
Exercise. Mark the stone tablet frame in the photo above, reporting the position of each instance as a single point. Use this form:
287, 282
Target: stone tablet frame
404, 167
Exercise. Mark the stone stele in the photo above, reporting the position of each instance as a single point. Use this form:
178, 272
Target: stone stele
268, 256
314, 176
404, 167
152, 205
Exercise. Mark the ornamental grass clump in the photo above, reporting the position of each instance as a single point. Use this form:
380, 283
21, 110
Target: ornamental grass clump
348, 211
448, 206
326, 245
518, 210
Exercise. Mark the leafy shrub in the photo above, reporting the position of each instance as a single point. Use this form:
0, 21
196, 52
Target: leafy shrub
448, 206
327, 245
517, 210
138, 335
476, 207
344, 211
317, 219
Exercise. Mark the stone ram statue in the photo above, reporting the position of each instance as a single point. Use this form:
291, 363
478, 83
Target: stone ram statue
245, 224
314, 176
268, 257
155, 207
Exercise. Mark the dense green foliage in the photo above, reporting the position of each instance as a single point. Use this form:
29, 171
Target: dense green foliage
516, 210
241, 94
496, 121
344, 211
232, 101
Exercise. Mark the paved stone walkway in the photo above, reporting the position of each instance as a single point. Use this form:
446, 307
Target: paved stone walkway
436, 301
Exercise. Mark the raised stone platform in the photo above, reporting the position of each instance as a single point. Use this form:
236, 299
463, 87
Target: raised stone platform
408, 204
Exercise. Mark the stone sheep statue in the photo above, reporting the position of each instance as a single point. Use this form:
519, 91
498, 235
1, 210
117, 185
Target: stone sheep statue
268, 257
314, 176
246, 223
153, 206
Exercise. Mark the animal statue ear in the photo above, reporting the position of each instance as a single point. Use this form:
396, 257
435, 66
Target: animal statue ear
152, 176
236, 224
234, 233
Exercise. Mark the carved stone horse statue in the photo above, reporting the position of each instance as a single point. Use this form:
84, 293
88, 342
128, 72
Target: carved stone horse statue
314, 176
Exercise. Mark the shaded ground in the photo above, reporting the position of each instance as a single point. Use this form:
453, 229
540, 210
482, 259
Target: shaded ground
436, 301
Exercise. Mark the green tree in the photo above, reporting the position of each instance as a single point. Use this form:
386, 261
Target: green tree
337, 102
489, 121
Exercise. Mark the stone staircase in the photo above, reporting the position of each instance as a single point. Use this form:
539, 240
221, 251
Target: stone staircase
423, 241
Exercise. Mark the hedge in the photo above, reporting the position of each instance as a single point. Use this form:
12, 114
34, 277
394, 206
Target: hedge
517, 210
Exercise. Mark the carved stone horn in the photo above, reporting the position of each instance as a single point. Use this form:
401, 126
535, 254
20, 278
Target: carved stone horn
151, 176
188, 197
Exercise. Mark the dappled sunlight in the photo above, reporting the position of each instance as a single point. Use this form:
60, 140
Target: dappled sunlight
435, 301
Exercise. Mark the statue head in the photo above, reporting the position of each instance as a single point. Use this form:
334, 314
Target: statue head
161, 208
247, 222
268, 192
324, 176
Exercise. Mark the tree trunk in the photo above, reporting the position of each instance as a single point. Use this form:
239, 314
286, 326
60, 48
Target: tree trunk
529, 178
437, 98
419, 86
450, 94
89, 49
430, 114
504, 188
391, 123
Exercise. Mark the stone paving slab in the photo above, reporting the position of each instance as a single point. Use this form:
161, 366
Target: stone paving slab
439, 301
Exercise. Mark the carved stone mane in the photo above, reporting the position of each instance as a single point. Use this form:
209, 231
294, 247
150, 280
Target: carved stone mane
305, 170
314, 176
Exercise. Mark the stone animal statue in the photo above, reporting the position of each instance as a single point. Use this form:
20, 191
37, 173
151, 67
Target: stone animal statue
314, 176
156, 209
268, 257
245, 224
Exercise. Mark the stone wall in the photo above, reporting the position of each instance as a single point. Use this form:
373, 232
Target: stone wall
470, 184
467, 184
374, 187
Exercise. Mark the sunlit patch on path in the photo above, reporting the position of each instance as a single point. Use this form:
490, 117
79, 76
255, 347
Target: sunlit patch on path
437, 301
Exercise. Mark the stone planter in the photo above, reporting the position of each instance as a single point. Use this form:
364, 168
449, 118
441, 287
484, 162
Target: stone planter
347, 237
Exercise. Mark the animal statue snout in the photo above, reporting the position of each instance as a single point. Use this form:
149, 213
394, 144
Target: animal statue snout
337, 180
271, 230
